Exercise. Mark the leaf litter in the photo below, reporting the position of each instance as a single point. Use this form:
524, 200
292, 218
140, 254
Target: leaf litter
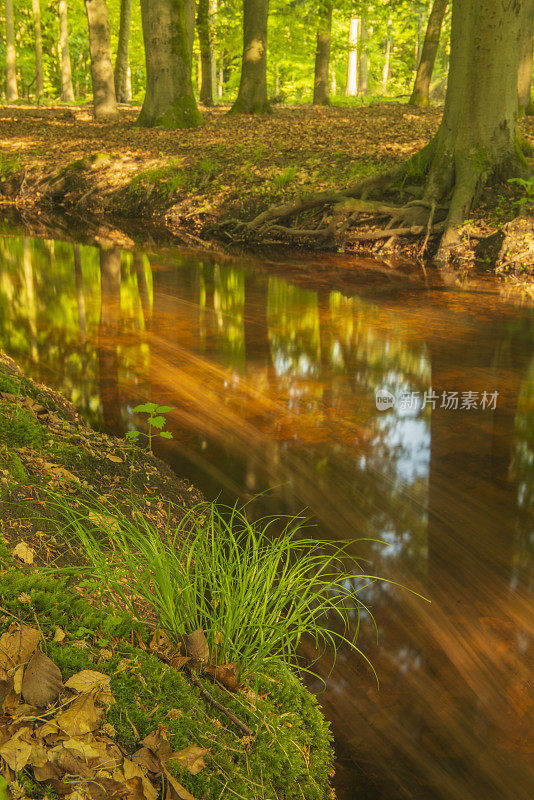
55, 731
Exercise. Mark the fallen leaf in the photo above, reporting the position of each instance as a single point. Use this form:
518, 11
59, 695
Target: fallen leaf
191, 758
88, 680
227, 674
59, 635
23, 552
175, 790
115, 459
17, 645
42, 681
16, 751
196, 645
80, 717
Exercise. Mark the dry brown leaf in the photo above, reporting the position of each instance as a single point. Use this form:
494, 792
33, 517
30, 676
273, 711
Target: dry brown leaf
146, 758
227, 674
140, 788
191, 758
196, 646
18, 678
88, 680
23, 552
158, 743
80, 717
175, 790
42, 681
115, 459
163, 646
17, 645
59, 635
16, 752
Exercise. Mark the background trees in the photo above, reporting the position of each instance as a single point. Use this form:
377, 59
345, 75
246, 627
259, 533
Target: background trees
365, 51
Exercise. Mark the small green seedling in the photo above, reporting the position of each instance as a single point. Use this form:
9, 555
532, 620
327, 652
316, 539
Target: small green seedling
156, 419
527, 185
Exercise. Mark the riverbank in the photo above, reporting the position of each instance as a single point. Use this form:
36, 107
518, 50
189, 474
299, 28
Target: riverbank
191, 733
191, 182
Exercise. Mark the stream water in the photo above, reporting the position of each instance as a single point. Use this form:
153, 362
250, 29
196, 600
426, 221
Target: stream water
273, 368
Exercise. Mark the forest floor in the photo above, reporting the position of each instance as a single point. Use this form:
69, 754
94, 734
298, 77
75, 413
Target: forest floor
192, 181
125, 713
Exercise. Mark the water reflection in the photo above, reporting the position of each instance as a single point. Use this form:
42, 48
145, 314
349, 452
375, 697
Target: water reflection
274, 387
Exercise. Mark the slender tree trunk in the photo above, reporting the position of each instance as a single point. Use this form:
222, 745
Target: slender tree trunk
80, 295
110, 316
478, 137
104, 101
123, 46
352, 65
67, 93
321, 86
363, 61
11, 55
252, 96
205, 19
524, 77
421, 89
169, 100
387, 56
190, 17
38, 41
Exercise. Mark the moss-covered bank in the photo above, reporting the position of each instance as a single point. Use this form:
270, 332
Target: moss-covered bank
44, 443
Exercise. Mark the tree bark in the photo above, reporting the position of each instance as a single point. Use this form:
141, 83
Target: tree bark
110, 316
11, 55
477, 138
169, 100
104, 101
205, 23
252, 96
352, 64
387, 56
524, 77
67, 92
123, 47
38, 41
363, 61
421, 89
321, 86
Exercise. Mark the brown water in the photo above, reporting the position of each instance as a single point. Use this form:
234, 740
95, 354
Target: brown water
273, 369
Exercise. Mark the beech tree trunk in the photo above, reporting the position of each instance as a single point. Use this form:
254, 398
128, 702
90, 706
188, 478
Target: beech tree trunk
387, 56
11, 55
123, 47
352, 64
524, 76
363, 61
205, 23
67, 92
169, 100
38, 41
252, 96
478, 137
321, 85
104, 101
421, 89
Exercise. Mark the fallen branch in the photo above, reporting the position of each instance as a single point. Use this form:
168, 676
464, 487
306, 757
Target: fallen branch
241, 725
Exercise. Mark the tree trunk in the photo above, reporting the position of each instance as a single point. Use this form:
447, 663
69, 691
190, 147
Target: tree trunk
387, 56
38, 40
421, 89
11, 55
477, 138
67, 93
123, 46
104, 101
169, 100
205, 23
190, 25
352, 65
321, 86
252, 96
108, 331
363, 61
524, 77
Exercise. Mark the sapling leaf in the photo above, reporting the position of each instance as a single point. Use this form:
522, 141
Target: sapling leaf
166, 435
132, 434
157, 422
165, 409
145, 408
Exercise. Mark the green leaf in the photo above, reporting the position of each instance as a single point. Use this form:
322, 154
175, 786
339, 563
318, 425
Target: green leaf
3, 789
157, 422
145, 408
132, 434
166, 435
165, 409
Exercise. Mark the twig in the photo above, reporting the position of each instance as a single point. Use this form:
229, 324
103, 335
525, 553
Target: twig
241, 725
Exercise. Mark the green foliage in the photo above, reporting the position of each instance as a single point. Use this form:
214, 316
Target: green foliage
156, 419
285, 177
19, 427
253, 594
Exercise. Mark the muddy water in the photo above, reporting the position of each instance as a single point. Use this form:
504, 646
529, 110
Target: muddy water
273, 370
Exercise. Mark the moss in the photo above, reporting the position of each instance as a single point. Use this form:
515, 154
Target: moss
182, 114
19, 427
291, 754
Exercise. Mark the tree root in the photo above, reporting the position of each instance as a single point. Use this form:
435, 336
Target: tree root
231, 716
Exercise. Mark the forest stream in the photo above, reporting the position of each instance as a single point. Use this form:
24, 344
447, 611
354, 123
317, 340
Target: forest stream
273, 369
